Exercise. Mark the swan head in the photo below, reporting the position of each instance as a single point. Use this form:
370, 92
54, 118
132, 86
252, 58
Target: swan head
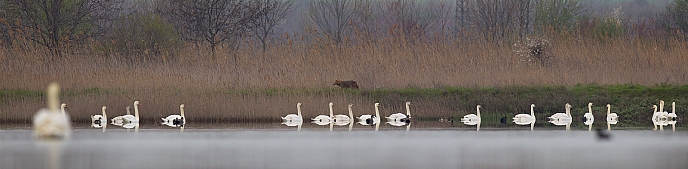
181, 106
298, 104
479, 107
377, 104
64, 105
104, 108
568, 106
137, 103
350, 105
331, 104
408, 103
609, 106
661, 102
532, 105
654, 106
589, 104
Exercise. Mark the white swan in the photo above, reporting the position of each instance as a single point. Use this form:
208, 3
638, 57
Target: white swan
399, 118
323, 119
132, 119
351, 114
525, 119
671, 117
293, 119
370, 119
659, 118
561, 119
117, 120
341, 119
612, 118
588, 118
62, 108
98, 120
50, 123
175, 120
473, 119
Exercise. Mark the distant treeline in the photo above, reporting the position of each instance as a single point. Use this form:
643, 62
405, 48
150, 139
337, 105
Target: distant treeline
152, 28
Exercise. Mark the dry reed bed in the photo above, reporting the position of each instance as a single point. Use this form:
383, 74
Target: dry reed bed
381, 65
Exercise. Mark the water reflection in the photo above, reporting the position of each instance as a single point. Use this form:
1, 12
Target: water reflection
342, 120
175, 120
526, 119
52, 152
324, 119
292, 120
562, 119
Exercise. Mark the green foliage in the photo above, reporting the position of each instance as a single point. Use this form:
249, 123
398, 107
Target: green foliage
611, 26
143, 35
675, 18
560, 16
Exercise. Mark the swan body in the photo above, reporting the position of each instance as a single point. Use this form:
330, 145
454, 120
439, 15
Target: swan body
588, 118
525, 119
472, 119
323, 119
612, 118
117, 120
175, 120
399, 117
132, 119
293, 119
370, 119
50, 123
672, 116
660, 118
99, 121
561, 119
341, 119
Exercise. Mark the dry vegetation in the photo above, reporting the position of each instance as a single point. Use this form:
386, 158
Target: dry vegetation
221, 88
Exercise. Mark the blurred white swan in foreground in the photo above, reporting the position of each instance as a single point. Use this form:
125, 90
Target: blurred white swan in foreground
98, 120
472, 119
525, 119
293, 119
324, 119
50, 123
588, 118
175, 120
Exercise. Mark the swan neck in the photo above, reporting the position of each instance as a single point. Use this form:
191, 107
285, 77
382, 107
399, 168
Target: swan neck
136, 111
609, 110
181, 109
568, 111
673, 107
62, 110
590, 109
478, 111
298, 108
532, 111
661, 106
408, 111
351, 112
53, 100
377, 112
104, 114
331, 111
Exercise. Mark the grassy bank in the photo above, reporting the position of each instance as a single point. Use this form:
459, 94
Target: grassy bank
632, 102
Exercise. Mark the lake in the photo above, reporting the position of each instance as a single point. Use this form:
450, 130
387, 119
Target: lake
278, 146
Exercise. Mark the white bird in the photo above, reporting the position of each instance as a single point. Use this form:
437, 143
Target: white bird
612, 118
323, 119
588, 118
62, 108
473, 119
399, 118
561, 119
672, 116
132, 119
117, 120
175, 120
341, 119
98, 120
351, 114
293, 119
659, 118
370, 119
525, 119
50, 123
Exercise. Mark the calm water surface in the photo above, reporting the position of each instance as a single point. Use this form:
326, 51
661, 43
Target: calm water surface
317, 147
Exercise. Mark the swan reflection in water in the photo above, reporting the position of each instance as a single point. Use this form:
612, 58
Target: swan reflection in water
342, 120
368, 119
562, 119
473, 119
292, 120
526, 119
175, 120
324, 119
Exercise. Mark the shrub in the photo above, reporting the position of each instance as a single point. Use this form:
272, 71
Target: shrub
142, 35
534, 51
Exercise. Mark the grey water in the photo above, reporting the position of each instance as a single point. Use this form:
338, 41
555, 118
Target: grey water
316, 147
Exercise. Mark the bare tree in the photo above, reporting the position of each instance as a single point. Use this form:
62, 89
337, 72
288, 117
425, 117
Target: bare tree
558, 15
56, 23
275, 13
413, 18
215, 21
497, 19
332, 17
